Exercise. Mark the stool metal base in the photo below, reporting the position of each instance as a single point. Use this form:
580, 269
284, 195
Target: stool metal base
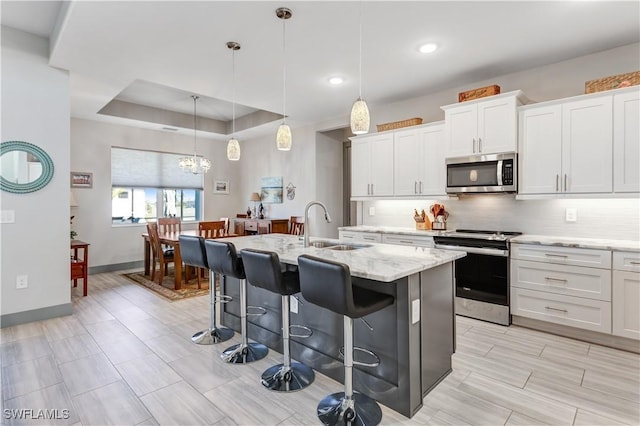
332, 410
212, 336
244, 354
277, 379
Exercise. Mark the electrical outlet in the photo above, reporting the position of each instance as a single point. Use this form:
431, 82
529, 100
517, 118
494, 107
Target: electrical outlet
7, 216
571, 215
22, 281
372, 211
293, 305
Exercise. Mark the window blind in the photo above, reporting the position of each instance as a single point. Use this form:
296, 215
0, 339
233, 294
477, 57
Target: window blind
133, 168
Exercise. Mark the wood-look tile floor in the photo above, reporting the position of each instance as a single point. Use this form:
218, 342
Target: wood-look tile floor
125, 357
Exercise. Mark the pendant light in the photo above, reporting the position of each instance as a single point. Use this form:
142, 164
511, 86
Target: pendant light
233, 147
283, 137
360, 112
196, 165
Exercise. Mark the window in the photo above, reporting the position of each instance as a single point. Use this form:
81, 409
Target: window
148, 184
140, 205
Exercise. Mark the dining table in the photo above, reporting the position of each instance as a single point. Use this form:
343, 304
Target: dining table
171, 239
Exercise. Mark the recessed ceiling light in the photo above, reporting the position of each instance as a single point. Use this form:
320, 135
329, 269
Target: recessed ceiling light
336, 80
428, 48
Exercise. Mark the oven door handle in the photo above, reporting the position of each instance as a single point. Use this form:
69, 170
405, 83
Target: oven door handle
475, 250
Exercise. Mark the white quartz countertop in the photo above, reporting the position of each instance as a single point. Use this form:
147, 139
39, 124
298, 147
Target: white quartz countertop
379, 262
392, 230
593, 243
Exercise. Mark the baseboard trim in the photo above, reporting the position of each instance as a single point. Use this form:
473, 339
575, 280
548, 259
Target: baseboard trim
40, 314
115, 267
589, 336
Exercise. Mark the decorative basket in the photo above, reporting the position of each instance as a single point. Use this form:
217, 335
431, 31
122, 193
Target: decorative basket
399, 124
480, 92
612, 82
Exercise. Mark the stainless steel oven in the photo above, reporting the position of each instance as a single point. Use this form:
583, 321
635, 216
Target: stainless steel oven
482, 173
482, 277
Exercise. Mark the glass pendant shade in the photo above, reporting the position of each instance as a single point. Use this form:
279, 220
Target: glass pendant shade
233, 150
283, 138
360, 117
194, 164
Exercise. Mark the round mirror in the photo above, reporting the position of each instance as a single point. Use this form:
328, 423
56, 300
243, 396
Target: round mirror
24, 167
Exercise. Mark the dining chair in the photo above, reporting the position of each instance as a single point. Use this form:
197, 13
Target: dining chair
159, 254
169, 225
226, 224
212, 229
296, 225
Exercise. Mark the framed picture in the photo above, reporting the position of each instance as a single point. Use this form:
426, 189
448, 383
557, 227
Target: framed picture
271, 189
220, 186
81, 180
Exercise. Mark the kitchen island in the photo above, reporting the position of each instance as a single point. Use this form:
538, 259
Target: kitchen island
414, 338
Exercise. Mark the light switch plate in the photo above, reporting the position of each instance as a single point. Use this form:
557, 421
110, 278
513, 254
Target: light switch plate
571, 215
372, 211
22, 281
293, 305
415, 311
7, 216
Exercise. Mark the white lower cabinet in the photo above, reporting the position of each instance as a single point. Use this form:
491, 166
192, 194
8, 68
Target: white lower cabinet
626, 294
408, 240
572, 311
360, 236
550, 283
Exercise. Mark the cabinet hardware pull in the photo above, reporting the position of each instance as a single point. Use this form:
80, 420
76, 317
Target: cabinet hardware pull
556, 255
405, 241
415, 186
371, 189
466, 288
473, 143
368, 189
421, 187
369, 238
565, 182
557, 180
479, 145
560, 280
556, 309
634, 263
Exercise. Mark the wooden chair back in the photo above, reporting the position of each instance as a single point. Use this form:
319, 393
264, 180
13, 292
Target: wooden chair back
212, 229
167, 225
154, 240
158, 254
296, 225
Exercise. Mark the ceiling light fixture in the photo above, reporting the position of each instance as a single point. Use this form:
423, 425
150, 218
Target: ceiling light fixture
360, 119
283, 137
428, 48
196, 165
233, 147
336, 80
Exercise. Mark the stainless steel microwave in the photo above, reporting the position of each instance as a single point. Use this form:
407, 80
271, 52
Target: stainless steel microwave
482, 173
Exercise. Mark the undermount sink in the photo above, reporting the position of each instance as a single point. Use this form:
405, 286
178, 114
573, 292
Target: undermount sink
343, 247
322, 244
333, 245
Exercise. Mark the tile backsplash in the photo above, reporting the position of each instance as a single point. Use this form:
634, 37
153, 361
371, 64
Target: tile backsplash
617, 219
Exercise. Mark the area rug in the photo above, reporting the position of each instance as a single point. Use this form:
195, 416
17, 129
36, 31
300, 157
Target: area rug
166, 290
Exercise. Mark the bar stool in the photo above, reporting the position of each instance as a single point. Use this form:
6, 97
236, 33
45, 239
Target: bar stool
224, 260
263, 270
194, 254
328, 284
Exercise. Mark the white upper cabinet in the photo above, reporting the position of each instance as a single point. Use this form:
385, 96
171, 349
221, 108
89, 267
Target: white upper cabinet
587, 135
484, 126
419, 166
372, 165
566, 147
626, 141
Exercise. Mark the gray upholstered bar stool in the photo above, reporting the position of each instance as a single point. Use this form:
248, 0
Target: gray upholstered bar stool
223, 259
193, 253
328, 284
263, 270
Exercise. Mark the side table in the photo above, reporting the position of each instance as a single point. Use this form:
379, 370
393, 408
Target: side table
79, 263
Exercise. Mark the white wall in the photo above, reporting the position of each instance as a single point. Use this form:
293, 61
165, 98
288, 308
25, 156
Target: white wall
91, 152
35, 109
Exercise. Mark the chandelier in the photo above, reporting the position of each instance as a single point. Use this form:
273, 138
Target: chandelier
194, 164
283, 136
360, 112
